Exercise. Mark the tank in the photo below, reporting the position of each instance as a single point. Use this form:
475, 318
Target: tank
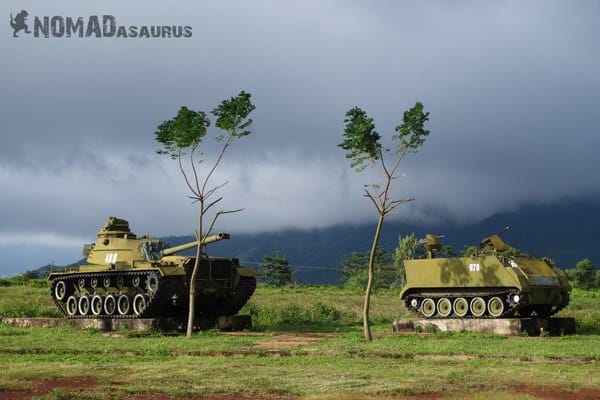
130, 277
493, 282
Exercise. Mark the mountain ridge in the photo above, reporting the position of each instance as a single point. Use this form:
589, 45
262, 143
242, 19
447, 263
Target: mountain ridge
565, 231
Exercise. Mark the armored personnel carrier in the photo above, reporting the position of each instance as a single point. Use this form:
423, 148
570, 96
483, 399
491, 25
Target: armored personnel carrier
130, 277
493, 282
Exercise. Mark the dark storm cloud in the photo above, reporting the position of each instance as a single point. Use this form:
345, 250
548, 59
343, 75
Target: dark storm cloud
512, 88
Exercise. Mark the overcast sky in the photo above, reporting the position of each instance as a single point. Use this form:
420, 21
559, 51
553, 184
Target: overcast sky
512, 87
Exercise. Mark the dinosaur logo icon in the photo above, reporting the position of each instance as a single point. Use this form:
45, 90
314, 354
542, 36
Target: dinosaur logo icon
18, 22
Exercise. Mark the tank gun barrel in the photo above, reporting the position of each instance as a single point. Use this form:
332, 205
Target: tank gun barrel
209, 239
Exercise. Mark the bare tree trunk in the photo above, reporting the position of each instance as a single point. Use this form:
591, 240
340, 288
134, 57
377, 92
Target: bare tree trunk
192, 299
366, 322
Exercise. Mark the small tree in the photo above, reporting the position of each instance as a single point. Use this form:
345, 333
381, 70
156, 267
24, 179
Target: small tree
276, 269
407, 249
184, 134
364, 149
355, 265
584, 275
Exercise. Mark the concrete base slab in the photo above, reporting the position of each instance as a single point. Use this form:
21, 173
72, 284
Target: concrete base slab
501, 326
226, 323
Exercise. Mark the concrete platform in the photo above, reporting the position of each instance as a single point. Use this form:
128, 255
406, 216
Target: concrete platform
224, 323
501, 326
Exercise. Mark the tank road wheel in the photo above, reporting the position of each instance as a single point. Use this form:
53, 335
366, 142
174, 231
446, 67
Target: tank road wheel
444, 307
110, 304
460, 307
124, 304
72, 305
139, 304
106, 282
428, 308
96, 305
477, 306
84, 305
60, 290
495, 307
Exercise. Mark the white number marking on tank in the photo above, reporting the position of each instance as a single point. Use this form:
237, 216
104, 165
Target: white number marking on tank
111, 258
474, 267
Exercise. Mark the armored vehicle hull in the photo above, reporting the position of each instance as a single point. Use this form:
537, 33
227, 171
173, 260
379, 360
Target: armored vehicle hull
127, 277
489, 284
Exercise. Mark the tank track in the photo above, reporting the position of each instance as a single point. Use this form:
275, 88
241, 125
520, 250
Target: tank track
157, 297
159, 300
510, 307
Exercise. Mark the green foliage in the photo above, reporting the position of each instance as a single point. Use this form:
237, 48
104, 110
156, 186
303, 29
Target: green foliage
354, 269
361, 140
23, 280
232, 115
186, 130
447, 251
26, 298
512, 252
411, 134
583, 275
276, 270
468, 251
407, 249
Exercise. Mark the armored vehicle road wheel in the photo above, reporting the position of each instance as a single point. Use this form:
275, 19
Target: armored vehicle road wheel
71, 305
477, 306
495, 307
110, 304
444, 307
460, 307
428, 308
84, 305
60, 290
139, 304
96, 305
124, 304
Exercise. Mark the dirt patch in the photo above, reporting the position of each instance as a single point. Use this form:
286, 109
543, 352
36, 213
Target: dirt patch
292, 339
559, 393
156, 396
48, 385
15, 395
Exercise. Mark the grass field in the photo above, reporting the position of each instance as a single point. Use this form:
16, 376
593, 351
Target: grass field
306, 344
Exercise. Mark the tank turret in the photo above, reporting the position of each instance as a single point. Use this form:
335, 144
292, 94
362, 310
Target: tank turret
127, 276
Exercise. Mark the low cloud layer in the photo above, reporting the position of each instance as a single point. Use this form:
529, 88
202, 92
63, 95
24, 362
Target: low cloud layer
512, 89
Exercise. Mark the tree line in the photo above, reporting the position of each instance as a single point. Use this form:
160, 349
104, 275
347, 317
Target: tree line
276, 270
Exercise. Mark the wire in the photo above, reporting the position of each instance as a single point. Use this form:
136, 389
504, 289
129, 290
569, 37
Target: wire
295, 266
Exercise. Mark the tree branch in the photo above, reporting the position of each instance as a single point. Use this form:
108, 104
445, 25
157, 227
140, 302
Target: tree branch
370, 196
218, 160
205, 209
211, 191
187, 182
